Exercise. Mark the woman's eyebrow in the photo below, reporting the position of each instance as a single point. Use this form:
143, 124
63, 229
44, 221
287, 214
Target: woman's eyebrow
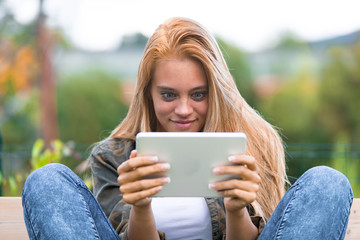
205, 87
165, 88
172, 89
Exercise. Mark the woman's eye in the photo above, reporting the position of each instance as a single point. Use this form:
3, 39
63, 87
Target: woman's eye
167, 95
198, 96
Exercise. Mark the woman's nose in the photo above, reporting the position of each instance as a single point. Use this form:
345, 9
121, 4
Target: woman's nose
183, 108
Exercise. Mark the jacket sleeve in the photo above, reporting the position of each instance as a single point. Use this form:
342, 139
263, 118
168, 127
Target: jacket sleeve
104, 160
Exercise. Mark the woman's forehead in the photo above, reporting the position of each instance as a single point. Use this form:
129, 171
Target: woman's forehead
179, 72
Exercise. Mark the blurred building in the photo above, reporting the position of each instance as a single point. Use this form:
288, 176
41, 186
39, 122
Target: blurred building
269, 66
124, 63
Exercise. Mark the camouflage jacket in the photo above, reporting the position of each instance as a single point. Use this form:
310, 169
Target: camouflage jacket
104, 160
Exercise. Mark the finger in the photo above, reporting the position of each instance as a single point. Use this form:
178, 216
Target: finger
245, 160
133, 154
238, 170
142, 172
143, 185
132, 198
136, 162
247, 197
235, 184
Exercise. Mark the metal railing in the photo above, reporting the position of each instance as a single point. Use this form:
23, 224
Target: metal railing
300, 157
344, 157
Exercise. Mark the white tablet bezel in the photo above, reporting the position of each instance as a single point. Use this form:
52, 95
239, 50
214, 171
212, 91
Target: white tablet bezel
190, 153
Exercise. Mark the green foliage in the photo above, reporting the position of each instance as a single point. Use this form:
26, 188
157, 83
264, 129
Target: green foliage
290, 40
344, 163
312, 106
339, 93
12, 183
16, 78
137, 40
41, 156
293, 108
57, 152
10, 28
21, 126
90, 105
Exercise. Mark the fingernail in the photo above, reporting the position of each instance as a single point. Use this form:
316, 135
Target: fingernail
166, 180
231, 158
216, 170
212, 186
165, 166
154, 158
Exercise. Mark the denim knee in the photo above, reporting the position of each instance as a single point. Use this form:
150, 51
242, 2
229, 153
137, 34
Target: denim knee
44, 177
327, 182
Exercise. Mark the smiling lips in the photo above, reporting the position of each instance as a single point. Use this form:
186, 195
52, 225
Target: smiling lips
183, 124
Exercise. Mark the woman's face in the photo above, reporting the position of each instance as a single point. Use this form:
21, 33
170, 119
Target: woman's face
179, 91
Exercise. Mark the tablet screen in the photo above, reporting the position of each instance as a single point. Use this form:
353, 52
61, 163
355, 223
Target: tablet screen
192, 157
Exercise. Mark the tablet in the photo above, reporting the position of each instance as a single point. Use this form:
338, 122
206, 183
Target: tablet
192, 157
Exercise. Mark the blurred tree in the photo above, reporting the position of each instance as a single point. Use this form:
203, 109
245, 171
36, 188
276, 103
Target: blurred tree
345, 163
18, 66
289, 40
17, 57
25, 63
44, 47
9, 27
90, 105
237, 62
21, 123
1, 174
137, 40
288, 93
339, 93
289, 55
292, 107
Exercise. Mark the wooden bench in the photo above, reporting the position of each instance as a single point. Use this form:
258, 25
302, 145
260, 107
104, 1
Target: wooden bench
12, 224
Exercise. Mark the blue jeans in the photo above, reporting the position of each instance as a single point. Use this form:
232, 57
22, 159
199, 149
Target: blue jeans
58, 205
317, 206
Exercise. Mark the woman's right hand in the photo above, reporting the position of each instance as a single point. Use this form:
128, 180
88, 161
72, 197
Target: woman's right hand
135, 188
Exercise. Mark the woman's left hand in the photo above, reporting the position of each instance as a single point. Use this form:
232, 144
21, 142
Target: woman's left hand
242, 191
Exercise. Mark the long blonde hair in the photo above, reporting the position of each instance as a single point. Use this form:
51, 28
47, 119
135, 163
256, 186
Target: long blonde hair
228, 111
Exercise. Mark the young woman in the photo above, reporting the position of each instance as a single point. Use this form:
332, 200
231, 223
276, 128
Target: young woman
184, 85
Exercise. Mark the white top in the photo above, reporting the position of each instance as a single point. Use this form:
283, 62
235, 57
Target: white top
182, 217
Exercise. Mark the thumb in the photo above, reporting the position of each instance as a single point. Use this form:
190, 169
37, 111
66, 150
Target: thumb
133, 154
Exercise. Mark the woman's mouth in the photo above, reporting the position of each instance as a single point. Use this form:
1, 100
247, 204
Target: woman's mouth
183, 124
